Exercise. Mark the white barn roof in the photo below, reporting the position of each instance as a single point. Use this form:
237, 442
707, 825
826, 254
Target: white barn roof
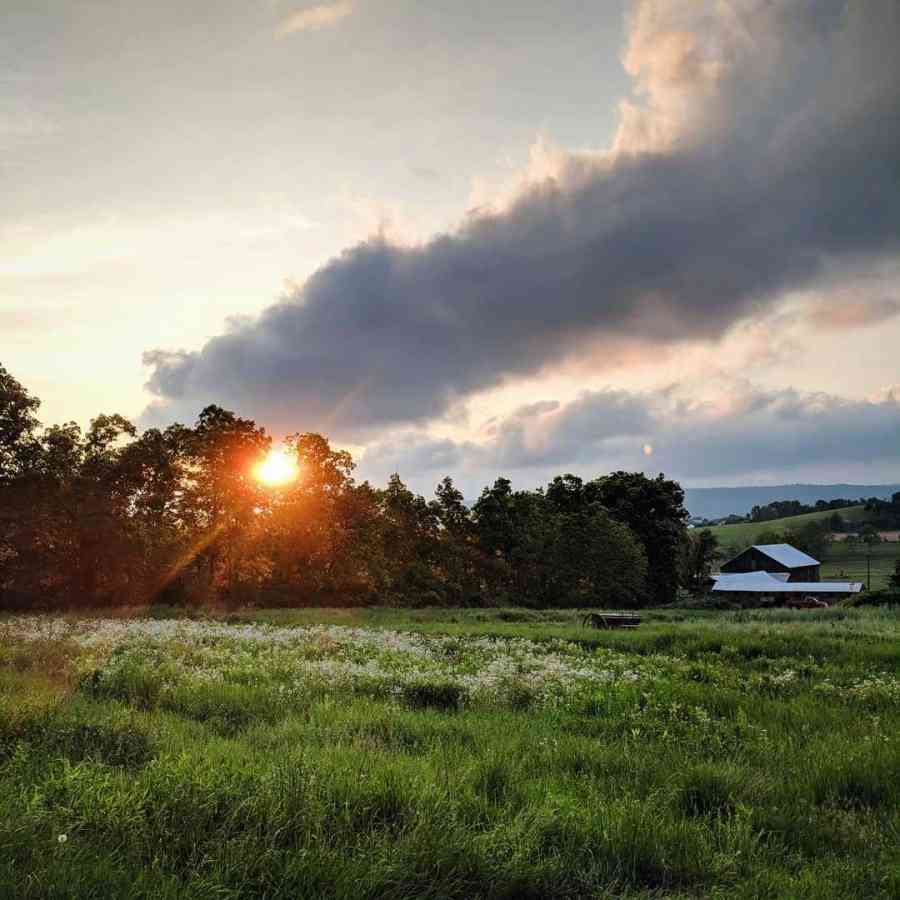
765, 583
787, 555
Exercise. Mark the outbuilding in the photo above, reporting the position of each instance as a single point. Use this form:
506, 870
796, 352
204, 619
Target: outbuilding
771, 585
775, 559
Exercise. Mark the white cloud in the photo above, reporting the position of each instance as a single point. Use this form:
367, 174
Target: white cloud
314, 18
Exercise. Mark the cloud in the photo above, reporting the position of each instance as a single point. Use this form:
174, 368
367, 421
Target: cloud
758, 156
855, 313
315, 17
745, 433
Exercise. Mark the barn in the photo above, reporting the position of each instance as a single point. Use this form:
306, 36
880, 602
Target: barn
761, 585
781, 559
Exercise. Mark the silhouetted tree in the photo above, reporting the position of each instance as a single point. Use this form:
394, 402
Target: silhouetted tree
700, 550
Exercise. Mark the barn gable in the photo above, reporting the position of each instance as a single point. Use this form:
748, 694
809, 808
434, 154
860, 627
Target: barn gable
783, 558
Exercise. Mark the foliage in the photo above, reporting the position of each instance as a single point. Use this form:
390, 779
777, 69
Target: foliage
890, 597
654, 509
699, 552
561, 546
884, 513
782, 509
176, 516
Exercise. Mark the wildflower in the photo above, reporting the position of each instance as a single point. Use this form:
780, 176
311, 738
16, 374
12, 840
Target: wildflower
62, 838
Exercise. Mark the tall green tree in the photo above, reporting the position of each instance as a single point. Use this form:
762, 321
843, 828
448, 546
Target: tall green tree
654, 510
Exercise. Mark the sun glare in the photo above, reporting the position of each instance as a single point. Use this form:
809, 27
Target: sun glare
276, 469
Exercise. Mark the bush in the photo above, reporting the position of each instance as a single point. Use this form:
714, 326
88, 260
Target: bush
445, 696
874, 598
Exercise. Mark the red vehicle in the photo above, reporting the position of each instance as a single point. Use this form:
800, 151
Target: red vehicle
807, 602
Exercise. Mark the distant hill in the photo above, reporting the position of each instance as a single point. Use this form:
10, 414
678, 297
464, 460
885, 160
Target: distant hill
746, 533
713, 503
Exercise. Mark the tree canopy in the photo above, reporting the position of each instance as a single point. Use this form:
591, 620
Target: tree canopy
109, 515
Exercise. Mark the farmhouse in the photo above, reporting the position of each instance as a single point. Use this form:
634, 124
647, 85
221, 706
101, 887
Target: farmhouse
775, 559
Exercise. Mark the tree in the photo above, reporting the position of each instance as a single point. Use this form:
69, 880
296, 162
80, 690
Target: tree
894, 581
18, 424
869, 535
811, 537
409, 529
220, 500
558, 547
654, 509
700, 550
459, 557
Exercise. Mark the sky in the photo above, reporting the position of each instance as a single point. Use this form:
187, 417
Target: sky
462, 238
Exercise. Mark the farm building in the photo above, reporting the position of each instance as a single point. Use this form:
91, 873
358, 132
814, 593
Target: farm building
780, 559
776, 585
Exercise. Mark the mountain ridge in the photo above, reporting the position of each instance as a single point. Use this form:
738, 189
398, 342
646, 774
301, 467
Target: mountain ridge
716, 502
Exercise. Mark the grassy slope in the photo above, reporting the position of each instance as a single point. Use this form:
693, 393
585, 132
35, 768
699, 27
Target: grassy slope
849, 561
722, 775
745, 534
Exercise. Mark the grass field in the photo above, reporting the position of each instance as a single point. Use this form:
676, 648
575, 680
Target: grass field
849, 561
744, 534
704, 755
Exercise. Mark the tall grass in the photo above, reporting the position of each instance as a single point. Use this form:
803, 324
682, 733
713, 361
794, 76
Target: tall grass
720, 776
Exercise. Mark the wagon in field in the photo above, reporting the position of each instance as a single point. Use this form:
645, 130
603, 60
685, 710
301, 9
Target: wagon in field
607, 621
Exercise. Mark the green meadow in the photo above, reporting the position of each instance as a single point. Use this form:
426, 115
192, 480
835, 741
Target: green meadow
744, 534
458, 754
861, 562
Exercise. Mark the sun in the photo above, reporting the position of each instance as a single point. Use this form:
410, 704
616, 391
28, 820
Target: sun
276, 469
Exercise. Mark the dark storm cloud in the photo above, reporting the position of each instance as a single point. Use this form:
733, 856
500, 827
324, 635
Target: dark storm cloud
764, 153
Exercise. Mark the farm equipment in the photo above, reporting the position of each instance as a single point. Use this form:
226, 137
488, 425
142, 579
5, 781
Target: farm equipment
607, 621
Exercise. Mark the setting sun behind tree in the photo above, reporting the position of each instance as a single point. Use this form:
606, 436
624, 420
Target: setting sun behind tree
277, 468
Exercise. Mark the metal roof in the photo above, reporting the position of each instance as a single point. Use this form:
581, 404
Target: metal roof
787, 555
765, 583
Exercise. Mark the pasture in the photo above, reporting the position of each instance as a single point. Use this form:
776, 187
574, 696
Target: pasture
843, 560
744, 534
447, 753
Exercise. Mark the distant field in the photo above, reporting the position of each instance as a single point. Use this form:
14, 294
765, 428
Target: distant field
849, 561
745, 534
413, 754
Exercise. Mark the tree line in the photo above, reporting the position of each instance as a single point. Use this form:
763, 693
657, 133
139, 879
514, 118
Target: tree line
783, 509
111, 516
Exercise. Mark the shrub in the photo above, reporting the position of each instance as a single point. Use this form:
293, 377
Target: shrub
433, 695
889, 597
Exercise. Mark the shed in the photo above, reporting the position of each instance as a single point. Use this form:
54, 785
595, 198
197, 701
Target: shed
766, 584
775, 558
